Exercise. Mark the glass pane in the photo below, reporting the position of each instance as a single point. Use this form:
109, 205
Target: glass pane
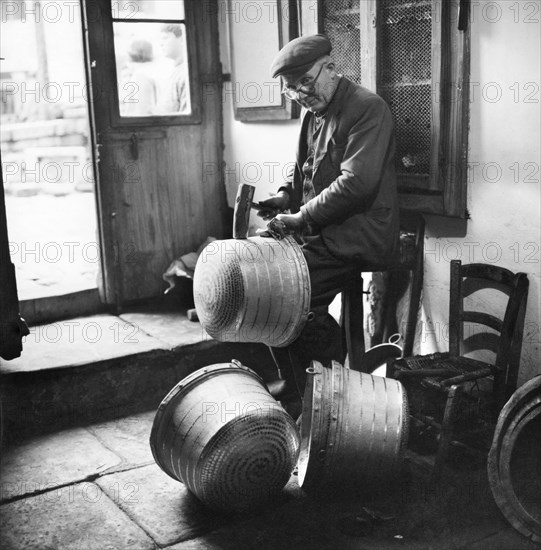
405, 67
148, 9
341, 23
152, 69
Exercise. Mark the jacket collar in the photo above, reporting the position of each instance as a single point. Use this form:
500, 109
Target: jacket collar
330, 122
335, 105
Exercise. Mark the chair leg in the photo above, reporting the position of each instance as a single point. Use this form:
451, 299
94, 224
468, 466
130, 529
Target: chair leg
447, 429
352, 321
390, 303
416, 287
415, 300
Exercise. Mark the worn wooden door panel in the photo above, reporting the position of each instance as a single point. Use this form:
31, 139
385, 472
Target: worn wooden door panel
138, 199
187, 201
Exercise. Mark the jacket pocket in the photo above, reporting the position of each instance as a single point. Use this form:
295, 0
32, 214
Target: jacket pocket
336, 154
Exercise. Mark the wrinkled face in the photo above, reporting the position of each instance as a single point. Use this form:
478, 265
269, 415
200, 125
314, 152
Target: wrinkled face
314, 89
171, 45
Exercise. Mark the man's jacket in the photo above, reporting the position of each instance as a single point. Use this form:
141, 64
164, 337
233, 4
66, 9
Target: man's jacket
355, 209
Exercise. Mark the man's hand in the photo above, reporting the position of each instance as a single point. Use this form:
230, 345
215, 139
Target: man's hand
285, 224
268, 208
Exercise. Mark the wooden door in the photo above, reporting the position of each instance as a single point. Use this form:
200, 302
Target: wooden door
160, 188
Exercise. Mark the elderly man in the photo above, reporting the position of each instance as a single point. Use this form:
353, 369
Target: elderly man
341, 196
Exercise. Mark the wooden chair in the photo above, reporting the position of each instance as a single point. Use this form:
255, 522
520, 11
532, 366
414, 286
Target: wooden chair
412, 229
452, 392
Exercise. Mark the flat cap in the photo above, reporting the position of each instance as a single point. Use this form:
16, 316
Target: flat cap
298, 56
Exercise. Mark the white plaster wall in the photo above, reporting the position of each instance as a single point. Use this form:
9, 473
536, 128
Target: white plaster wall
258, 153
504, 157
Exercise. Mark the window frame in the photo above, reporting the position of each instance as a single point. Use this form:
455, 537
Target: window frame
194, 117
287, 29
444, 190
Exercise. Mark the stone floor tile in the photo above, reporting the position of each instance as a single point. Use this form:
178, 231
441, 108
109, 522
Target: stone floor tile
75, 517
443, 516
53, 460
456, 514
172, 328
127, 437
80, 342
303, 524
410, 515
507, 539
163, 507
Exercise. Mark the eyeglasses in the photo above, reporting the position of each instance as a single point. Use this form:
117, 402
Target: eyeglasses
307, 88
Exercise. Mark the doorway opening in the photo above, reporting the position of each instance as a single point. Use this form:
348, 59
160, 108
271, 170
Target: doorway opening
46, 151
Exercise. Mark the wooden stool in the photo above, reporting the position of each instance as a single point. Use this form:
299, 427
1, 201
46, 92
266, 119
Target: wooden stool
412, 230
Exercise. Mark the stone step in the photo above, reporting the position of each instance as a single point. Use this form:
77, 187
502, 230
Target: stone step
101, 367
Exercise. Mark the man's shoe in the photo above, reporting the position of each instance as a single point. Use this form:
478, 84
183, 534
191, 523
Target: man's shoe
277, 388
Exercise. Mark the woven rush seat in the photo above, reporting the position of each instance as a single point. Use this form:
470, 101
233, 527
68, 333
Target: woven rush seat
439, 365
